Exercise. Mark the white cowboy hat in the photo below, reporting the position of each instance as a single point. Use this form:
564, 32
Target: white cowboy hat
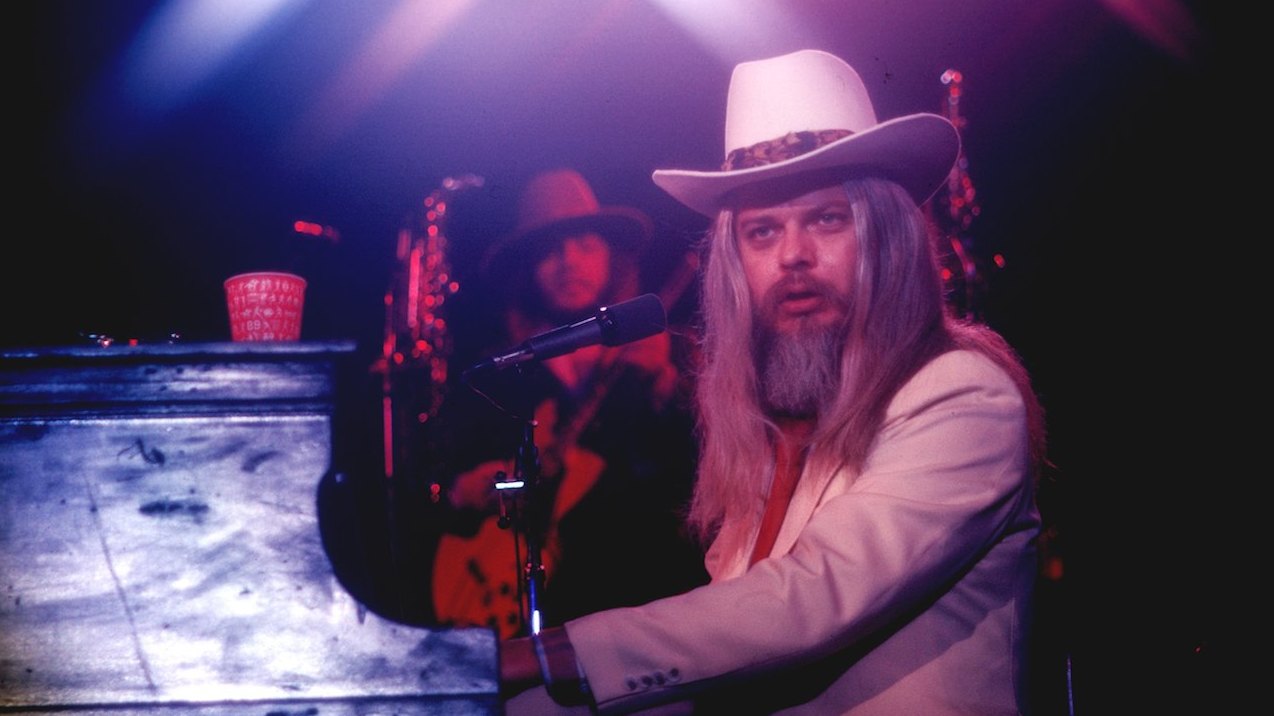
810, 110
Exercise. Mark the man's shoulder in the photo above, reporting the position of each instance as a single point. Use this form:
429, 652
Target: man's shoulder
957, 371
965, 362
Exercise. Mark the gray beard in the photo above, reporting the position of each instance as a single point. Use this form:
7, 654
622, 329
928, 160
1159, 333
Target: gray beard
797, 372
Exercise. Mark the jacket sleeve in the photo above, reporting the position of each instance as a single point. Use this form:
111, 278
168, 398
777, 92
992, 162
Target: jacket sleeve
945, 481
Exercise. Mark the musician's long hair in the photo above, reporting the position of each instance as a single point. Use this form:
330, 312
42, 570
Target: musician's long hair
898, 322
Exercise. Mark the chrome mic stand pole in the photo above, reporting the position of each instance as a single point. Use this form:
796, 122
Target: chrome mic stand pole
529, 517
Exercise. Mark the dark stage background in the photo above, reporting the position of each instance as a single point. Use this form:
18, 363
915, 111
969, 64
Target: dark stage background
163, 146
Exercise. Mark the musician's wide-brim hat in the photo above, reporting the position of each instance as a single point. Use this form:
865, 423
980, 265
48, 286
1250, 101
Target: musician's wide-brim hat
809, 110
558, 203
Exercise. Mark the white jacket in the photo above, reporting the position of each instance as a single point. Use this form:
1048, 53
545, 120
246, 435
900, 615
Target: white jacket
905, 589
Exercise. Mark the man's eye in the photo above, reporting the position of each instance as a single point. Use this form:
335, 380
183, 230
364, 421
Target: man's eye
760, 233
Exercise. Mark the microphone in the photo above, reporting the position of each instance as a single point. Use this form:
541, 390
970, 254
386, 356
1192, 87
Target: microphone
615, 325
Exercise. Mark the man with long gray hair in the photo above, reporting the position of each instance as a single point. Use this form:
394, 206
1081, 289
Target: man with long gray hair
868, 460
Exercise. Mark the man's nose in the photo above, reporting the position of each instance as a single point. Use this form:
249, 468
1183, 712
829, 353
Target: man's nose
571, 252
796, 248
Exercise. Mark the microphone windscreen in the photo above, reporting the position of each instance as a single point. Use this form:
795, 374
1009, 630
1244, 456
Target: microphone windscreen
632, 320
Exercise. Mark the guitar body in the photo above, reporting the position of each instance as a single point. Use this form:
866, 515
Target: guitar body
478, 580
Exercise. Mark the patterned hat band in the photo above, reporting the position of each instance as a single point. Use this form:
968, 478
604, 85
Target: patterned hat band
789, 146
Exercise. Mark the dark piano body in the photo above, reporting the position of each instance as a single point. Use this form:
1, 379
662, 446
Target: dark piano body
160, 547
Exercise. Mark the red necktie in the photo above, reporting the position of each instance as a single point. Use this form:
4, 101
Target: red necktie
789, 457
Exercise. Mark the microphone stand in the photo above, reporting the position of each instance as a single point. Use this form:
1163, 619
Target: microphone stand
615, 325
524, 506
529, 517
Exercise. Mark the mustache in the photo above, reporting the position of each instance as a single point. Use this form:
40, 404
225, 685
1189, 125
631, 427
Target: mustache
799, 286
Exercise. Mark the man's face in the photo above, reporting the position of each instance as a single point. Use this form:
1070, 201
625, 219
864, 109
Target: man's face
798, 247
573, 275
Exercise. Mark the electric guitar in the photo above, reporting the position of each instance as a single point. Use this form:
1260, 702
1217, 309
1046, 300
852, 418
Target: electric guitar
480, 580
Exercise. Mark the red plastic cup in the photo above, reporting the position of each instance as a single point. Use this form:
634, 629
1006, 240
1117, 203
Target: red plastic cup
265, 306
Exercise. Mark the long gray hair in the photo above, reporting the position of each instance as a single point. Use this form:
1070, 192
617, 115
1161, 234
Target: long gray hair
898, 322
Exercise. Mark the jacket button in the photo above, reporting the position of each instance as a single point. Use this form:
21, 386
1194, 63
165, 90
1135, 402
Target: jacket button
631, 683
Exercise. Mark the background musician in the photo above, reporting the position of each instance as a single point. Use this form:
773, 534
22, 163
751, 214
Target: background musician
614, 431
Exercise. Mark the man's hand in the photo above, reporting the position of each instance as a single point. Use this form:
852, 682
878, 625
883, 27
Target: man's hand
475, 488
519, 667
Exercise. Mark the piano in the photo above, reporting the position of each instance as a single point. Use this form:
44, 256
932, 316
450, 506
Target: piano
162, 552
